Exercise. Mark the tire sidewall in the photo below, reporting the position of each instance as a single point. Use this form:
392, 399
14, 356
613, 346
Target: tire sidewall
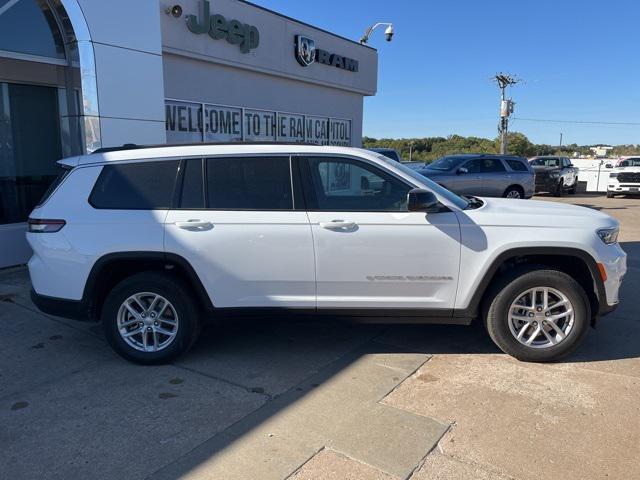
170, 289
498, 322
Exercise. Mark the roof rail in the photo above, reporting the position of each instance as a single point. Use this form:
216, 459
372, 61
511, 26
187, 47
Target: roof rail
133, 146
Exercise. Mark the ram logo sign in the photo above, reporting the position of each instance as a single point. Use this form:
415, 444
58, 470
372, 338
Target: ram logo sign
305, 50
306, 53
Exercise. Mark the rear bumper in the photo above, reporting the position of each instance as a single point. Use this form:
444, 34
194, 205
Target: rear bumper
60, 307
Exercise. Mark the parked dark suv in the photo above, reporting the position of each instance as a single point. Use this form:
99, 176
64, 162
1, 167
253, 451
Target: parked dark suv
483, 175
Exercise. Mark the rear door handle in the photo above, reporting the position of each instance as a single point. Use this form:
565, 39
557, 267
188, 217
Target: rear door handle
338, 225
194, 225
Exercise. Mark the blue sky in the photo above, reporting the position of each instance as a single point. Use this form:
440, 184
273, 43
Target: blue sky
579, 60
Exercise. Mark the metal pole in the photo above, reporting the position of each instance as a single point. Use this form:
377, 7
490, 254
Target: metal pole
560, 140
504, 125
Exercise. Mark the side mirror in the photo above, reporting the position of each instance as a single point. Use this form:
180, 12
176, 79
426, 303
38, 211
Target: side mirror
420, 200
571, 165
608, 165
462, 170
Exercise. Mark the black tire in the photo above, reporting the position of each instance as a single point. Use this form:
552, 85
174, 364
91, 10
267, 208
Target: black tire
574, 188
510, 287
186, 309
559, 192
610, 195
512, 191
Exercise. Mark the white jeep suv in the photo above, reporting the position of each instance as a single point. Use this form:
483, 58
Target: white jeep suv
152, 241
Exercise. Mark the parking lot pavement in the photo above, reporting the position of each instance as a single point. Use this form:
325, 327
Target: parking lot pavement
316, 399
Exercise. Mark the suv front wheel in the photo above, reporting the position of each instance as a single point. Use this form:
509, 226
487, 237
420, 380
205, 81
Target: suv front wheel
150, 318
538, 314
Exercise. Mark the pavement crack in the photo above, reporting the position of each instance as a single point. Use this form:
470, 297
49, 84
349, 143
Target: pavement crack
409, 375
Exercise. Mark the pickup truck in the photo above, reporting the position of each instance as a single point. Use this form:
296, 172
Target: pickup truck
555, 175
624, 179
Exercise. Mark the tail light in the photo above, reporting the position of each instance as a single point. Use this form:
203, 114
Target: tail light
42, 225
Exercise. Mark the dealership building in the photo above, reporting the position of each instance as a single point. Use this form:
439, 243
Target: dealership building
78, 75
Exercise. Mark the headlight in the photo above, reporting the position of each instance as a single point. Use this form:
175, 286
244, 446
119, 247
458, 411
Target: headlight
554, 174
613, 175
608, 235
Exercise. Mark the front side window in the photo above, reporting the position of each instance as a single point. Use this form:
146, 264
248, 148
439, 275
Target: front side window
249, 183
341, 184
135, 186
474, 166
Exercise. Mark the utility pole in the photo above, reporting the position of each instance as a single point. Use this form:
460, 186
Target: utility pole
506, 108
560, 140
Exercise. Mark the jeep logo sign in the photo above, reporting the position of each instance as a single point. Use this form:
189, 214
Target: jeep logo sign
233, 31
307, 53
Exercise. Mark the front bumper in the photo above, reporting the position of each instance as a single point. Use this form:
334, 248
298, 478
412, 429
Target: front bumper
546, 184
624, 188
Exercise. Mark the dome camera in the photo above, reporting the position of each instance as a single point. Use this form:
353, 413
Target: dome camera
175, 10
388, 33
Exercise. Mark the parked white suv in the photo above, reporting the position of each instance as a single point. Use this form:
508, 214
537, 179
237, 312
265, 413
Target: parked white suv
153, 241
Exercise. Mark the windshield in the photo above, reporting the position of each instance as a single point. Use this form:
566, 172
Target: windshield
437, 189
546, 162
630, 162
445, 164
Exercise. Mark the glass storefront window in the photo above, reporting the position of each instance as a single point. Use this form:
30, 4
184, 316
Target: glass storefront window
28, 26
30, 145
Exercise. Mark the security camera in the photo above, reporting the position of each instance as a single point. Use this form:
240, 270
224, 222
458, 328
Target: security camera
388, 33
175, 10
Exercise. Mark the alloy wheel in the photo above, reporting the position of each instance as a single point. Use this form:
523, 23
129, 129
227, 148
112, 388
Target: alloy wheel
514, 194
541, 317
147, 322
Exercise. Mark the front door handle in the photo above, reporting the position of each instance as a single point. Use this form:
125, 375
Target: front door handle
338, 225
194, 225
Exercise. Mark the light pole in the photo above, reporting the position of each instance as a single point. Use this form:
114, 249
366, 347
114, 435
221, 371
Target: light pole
388, 32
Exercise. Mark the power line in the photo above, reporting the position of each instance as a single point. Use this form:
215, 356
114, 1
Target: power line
545, 120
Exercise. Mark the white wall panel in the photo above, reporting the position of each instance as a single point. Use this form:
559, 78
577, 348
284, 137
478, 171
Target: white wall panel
133, 24
118, 131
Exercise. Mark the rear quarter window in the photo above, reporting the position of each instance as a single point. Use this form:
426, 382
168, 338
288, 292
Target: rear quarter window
517, 165
135, 186
63, 173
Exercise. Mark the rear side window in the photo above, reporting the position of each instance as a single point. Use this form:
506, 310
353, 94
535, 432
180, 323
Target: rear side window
492, 165
249, 183
517, 165
192, 185
64, 172
135, 186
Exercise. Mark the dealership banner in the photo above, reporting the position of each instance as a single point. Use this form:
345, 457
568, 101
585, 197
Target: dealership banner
191, 122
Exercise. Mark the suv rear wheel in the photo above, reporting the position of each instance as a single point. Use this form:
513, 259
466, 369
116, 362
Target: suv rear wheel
513, 192
150, 318
538, 314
